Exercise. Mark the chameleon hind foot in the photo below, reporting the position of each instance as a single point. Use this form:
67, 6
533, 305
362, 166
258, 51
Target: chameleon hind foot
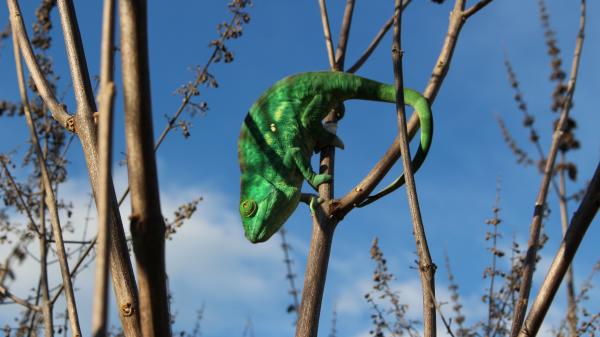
312, 200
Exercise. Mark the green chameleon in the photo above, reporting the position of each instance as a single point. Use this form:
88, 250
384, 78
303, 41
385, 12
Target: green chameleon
283, 128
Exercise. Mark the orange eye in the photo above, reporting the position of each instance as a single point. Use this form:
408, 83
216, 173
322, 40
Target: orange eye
248, 208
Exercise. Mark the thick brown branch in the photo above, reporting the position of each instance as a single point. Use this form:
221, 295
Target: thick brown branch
579, 224
147, 222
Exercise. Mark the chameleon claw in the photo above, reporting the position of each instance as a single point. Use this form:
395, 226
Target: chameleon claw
337, 142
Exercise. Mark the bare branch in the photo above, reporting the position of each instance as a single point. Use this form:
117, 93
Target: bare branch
476, 7
105, 134
50, 200
82, 86
340, 53
535, 227
426, 266
147, 222
579, 224
20, 196
47, 305
367, 53
18, 28
361, 191
18, 300
327, 32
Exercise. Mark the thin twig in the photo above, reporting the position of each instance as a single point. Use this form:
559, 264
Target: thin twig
535, 227
426, 266
564, 221
50, 199
20, 197
18, 300
47, 306
367, 53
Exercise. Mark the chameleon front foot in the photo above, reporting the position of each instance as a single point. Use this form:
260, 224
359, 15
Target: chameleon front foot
319, 179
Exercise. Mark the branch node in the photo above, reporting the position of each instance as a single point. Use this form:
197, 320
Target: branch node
127, 309
70, 124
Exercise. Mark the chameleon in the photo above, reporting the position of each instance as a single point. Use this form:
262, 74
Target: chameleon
284, 127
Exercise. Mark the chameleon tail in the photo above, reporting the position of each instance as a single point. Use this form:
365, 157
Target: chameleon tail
419, 103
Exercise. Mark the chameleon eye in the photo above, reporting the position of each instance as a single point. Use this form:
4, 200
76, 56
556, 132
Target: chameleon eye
248, 208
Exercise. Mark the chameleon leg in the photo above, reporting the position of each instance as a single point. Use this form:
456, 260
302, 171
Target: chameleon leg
311, 118
312, 201
294, 155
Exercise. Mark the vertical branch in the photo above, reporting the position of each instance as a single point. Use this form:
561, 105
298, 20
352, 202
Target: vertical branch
122, 272
323, 225
535, 227
123, 280
426, 266
564, 221
327, 32
50, 200
579, 224
147, 222
105, 134
77, 62
46, 304
340, 53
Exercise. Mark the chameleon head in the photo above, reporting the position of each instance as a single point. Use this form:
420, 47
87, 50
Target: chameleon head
262, 209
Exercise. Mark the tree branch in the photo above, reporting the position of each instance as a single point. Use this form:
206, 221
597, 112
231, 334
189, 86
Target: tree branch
105, 133
367, 53
50, 200
42, 86
340, 53
18, 300
362, 190
536, 222
147, 222
426, 266
579, 224
327, 32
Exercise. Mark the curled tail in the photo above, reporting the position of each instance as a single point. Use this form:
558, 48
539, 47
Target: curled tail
421, 106
349, 86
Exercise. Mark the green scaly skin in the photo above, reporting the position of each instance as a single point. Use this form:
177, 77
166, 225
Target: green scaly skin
282, 130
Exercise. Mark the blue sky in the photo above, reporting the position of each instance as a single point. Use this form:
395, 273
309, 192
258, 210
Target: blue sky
209, 261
